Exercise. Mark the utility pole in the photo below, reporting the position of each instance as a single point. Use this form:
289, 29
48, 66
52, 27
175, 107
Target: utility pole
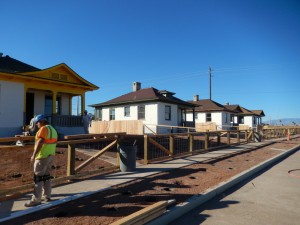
209, 76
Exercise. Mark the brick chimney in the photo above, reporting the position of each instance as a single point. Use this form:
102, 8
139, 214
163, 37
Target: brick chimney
136, 86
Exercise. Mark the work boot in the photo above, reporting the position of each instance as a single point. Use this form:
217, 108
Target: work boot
31, 203
46, 199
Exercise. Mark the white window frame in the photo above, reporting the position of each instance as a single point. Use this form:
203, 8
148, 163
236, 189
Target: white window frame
127, 111
168, 114
112, 114
141, 114
208, 117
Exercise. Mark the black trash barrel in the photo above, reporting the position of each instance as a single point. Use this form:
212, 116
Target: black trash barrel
127, 158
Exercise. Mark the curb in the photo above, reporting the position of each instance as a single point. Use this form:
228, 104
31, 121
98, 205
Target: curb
197, 200
50, 204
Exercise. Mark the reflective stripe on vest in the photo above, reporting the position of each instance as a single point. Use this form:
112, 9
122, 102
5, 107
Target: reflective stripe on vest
49, 145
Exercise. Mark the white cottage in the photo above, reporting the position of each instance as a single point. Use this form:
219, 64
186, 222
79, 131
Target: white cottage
210, 115
251, 118
149, 105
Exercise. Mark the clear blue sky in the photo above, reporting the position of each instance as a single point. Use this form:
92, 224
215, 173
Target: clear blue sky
252, 46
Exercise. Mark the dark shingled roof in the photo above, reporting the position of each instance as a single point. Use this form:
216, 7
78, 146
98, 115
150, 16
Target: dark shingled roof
10, 65
247, 111
206, 105
242, 110
146, 95
258, 112
234, 108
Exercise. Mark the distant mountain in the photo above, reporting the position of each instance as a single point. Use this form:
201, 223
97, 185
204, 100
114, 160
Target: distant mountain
285, 121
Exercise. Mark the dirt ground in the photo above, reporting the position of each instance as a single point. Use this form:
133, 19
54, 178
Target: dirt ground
180, 184
20, 172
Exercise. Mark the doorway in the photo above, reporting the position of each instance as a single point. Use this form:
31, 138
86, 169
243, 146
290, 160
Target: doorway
29, 107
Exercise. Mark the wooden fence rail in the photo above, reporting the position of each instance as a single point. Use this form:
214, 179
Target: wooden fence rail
149, 148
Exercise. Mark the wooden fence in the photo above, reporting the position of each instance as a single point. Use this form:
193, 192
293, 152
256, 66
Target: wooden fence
270, 132
149, 148
114, 126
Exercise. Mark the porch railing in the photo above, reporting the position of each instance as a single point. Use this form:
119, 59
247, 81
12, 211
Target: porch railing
66, 121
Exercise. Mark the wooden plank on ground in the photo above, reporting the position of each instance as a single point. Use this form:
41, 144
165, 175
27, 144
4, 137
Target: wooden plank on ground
144, 215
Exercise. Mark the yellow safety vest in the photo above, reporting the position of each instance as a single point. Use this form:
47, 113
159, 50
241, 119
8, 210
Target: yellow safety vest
49, 145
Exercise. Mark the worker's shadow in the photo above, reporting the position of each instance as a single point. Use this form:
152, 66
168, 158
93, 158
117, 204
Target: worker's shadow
6, 209
219, 201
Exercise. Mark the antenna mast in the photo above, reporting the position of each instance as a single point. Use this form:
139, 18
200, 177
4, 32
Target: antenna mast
209, 76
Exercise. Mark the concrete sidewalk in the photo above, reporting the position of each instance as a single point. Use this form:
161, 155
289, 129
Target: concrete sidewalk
270, 195
61, 194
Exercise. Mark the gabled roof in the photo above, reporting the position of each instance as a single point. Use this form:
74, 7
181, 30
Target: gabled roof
208, 105
11, 65
246, 111
241, 110
146, 95
258, 112
59, 74
74, 78
234, 108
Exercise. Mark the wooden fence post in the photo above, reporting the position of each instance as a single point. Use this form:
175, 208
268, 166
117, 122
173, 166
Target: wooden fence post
206, 145
219, 138
238, 136
246, 136
228, 137
171, 144
71, 160
146, 149
191, 141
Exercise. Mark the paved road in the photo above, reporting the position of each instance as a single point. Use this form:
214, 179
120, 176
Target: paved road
272, 197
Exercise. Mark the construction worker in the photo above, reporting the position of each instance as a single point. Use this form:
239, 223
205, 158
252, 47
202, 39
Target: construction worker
44, 151
86, 120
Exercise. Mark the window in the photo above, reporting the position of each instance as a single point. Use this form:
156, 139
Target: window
196, 115
127, 111
98, 114
48, 105
112, 114
58, 106
241, 119
167, 112
208, 117
141, 112
226, 117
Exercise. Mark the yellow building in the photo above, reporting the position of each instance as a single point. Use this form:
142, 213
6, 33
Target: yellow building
26, 91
